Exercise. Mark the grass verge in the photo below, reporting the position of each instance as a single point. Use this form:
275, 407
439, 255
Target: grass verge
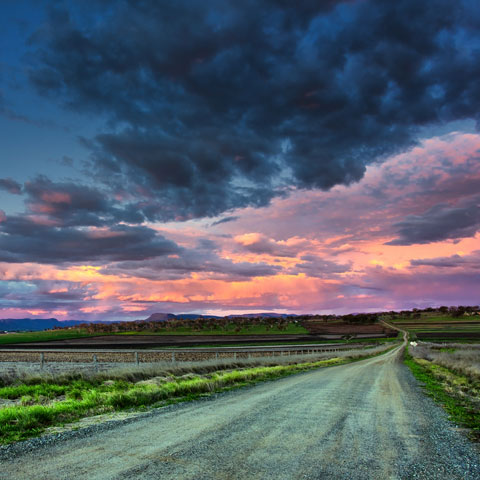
454, 392
46, 404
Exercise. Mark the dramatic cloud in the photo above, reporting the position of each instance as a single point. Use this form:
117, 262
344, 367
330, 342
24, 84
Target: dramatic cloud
441, 222
315, 266
228, 156
190, 261
257, 96
170, 268
261, 244
10, 186
471, 261
232, 218
69, 204
22, 240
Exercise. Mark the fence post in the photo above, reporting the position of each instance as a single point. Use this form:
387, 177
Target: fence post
95, 364
136, 358
216, 355
235, 355
42, 360
173, 357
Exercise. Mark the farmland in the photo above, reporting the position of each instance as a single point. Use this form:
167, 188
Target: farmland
181, 333
434, 326
46, 336
74, 333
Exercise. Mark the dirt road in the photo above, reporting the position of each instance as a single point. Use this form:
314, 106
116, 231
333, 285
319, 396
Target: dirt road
366, 420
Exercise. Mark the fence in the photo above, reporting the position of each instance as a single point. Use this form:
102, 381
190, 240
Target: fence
137, 357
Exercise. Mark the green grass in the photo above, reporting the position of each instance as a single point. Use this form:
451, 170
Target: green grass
426, 318
27, 337
445, 325
44, 389
439, 383
24, 337
455, 340
38, 410
446, 328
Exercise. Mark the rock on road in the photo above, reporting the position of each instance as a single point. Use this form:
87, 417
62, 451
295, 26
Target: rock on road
365, 420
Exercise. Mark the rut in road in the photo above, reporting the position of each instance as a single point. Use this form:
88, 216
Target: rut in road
366, 420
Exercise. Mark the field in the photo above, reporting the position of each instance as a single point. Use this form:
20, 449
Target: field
182, 334
46, 336
34, 402
67, 334
432, 326
322, 328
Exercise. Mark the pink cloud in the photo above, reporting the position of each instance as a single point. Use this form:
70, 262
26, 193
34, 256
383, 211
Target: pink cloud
329, 247
56, 197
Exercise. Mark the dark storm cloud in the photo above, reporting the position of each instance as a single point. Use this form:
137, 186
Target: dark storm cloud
47, 295
314, 266
232, 218
441, 222
471, 261
179, 178
218, 105
10, 186
22, 240
131, 251
69, 204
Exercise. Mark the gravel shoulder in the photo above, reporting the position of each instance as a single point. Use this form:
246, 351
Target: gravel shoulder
364, 420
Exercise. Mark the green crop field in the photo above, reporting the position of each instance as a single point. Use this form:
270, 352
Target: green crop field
432, 326
427, 318
25, 337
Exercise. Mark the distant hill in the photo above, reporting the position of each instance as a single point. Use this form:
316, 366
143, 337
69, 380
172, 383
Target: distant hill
34, 324
263, 314
159, 317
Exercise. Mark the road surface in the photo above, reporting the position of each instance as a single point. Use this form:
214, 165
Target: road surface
366, 420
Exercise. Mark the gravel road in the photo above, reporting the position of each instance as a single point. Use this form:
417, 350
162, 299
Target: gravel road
366, 420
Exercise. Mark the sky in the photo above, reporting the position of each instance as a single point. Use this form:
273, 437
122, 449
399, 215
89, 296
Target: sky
225, 157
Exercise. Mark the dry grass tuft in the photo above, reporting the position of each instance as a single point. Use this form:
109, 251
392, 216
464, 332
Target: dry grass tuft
461, 358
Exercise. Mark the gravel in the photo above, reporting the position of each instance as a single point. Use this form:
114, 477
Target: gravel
366, 420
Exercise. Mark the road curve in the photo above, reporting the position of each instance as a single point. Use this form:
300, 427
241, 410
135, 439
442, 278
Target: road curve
366, 420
